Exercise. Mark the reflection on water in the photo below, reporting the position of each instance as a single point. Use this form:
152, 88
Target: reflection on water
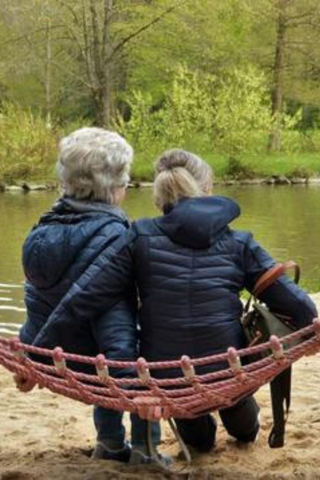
285, 220
12, 307
18, 213
9, 328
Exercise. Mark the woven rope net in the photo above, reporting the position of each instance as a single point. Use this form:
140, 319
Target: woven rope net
187, 395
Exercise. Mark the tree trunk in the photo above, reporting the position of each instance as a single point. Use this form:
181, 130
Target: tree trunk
278, 71
107, 101
107, 97
104, 103
48, 74
103, 65
102, 50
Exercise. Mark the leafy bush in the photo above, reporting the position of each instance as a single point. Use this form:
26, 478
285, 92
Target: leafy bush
242, 111
189, 107
299, 172
238, 170
145, 126
75, 125
309, 140
27, 146
187, 110
229, 113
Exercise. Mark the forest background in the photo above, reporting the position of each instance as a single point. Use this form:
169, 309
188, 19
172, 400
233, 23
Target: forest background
236, 81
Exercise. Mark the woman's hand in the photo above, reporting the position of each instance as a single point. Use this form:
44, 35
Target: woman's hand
147, 410
24, 384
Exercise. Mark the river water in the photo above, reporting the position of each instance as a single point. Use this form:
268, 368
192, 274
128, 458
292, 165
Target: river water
285, 220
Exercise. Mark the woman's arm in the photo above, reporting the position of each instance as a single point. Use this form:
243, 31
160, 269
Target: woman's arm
105, 282
284, 296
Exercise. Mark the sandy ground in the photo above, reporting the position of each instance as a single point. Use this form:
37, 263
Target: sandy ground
44, 437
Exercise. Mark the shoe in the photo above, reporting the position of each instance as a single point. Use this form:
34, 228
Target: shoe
253, 436
103, 452
139, 456
199, 433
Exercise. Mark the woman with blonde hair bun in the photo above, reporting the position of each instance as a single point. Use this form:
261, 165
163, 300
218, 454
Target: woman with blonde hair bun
190, 267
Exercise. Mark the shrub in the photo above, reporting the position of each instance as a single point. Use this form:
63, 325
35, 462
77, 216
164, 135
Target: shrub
27, 146
238, 170
242, 111
189, 108
145, 126
186, 110
299, 172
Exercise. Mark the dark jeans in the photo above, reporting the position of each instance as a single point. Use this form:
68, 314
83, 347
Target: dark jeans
110, 428
240, 421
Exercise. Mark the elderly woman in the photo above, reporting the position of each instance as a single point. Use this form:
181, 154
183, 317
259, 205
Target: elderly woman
93, 170
189, 266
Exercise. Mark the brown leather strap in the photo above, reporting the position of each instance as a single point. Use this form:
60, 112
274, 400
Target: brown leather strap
269, 277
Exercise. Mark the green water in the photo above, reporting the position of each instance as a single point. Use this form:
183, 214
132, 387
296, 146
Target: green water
285, 220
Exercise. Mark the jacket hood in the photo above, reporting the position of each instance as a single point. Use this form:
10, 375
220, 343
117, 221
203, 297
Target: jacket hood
61, 235
198, 222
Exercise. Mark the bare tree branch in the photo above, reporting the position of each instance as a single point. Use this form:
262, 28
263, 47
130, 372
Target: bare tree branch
71, 10
29, 34
309, 14
73, 75
145, 27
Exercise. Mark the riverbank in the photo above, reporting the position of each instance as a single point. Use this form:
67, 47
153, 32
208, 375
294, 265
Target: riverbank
254, 168
26, 187
45, 437
249, 166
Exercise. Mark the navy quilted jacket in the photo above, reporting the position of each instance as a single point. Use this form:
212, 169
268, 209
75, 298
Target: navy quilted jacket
190, 268
56, 253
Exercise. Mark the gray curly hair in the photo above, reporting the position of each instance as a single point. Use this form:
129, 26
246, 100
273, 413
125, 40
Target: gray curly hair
93, 163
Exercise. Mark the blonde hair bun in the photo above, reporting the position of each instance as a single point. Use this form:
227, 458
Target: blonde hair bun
180, 174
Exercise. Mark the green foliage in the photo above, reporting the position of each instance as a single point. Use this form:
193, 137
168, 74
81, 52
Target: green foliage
75, 125
287, 124
239, 170
309, 140
299, 172
144, 133
144, 125
187, 110
242, 110
200, 78
230, 114
266, 165
28, 147
189, 106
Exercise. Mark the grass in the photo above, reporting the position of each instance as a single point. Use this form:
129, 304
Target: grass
251, 166
285, 164
263, 165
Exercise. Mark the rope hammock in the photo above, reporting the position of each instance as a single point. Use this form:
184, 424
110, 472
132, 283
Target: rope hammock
186, 396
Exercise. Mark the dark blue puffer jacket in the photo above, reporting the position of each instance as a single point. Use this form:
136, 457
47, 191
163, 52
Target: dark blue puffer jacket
56, 253
190, 268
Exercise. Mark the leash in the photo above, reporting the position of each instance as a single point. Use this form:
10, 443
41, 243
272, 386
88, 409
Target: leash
158, 458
